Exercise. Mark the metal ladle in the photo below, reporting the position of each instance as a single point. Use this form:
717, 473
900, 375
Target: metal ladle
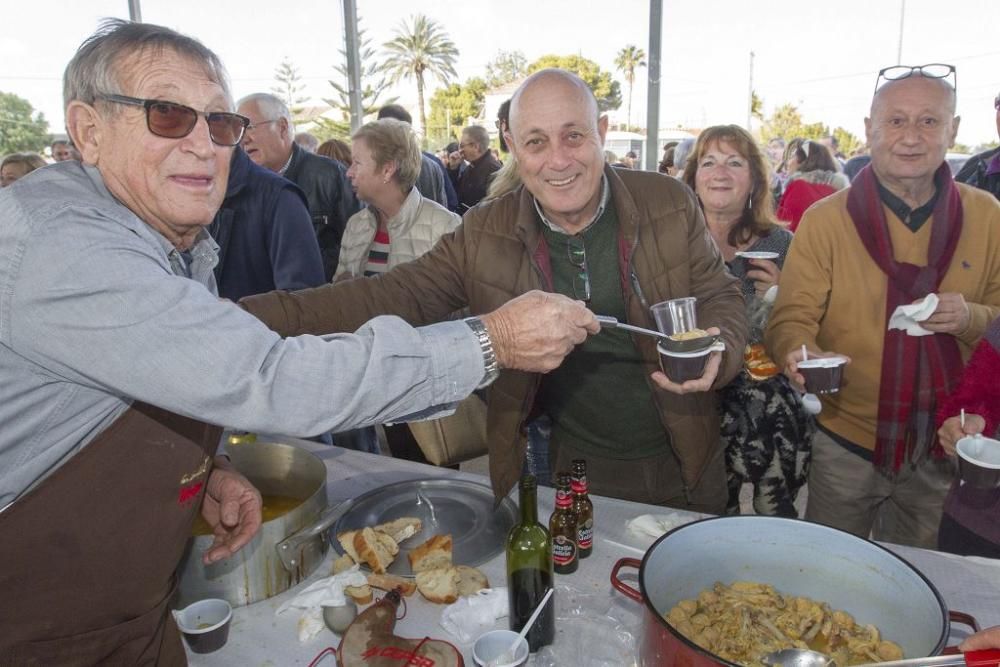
800, 657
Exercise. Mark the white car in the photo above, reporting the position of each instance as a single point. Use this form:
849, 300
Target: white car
956, 160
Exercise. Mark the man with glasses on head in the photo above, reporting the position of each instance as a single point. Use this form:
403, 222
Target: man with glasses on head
617, 240
902, 231
269, 140
983, 170
118, 360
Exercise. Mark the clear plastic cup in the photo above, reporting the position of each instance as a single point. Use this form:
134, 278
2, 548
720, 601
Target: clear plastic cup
676, 315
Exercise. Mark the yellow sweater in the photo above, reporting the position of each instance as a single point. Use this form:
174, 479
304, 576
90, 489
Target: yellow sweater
832, 297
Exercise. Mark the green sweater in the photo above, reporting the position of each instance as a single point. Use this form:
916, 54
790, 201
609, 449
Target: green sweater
599, 398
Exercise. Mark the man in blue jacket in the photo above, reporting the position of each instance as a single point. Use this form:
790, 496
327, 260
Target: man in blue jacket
265, 235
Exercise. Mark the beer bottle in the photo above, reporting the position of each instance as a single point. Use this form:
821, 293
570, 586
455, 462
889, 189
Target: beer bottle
583, 508
529, 570
562, 527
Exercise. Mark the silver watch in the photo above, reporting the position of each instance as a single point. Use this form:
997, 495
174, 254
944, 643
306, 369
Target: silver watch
490, 364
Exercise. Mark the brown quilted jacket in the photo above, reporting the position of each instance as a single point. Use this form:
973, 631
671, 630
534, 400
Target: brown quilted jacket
498, 253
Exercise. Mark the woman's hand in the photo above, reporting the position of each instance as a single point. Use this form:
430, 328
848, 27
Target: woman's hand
764, 275
952, 431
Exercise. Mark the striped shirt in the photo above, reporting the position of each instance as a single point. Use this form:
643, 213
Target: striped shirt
378, 254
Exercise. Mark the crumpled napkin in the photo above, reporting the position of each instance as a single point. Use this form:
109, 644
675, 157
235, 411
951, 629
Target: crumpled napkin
325, 592
908, 318
655, 525
473, 615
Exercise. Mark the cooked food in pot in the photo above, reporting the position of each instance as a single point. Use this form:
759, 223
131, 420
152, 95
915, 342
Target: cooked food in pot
745, 621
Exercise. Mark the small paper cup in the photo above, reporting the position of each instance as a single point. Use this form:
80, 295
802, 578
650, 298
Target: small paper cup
205, 624
683, 366
823, 374
492, 644
979, 461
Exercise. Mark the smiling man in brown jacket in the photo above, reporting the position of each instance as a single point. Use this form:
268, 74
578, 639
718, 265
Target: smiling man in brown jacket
621, 241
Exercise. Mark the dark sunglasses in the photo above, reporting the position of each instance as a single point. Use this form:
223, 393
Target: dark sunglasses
175, 121
931, 71
577, 253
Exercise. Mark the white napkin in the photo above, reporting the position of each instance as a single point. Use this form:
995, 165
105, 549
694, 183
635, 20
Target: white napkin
473, 615
325, 592
654, 525
907, 318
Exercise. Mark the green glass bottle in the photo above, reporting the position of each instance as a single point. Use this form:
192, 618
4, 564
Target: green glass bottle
529, 570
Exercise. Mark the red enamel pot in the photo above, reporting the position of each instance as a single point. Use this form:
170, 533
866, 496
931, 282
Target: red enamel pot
796, 557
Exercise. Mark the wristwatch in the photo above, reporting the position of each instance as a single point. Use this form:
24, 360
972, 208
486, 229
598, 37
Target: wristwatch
490, 363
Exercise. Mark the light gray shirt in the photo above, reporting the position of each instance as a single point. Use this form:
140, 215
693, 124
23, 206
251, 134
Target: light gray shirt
97, 310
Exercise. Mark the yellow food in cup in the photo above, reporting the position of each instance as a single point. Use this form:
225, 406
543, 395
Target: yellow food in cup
689, 335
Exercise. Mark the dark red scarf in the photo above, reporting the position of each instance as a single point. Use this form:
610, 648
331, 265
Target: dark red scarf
917, 371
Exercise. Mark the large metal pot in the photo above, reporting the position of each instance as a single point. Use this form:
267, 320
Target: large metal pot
255, 572
796, 557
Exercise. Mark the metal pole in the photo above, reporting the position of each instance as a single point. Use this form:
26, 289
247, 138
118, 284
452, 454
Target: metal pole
134, 11
353, 64
750, 97
899, 49
653, 86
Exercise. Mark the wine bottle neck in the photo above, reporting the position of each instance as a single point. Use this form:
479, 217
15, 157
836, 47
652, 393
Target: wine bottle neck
529, 506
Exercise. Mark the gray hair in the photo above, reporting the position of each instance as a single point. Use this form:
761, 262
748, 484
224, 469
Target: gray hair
392, 140
478, 134
682, 152
95, 68
271, 106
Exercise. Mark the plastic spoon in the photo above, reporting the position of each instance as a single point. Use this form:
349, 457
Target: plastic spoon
810, 401
608, 321
508, 655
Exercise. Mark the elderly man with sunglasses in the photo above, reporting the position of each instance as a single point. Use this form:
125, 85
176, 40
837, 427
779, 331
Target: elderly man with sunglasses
117, 359
619, 240
983, 170
903, 232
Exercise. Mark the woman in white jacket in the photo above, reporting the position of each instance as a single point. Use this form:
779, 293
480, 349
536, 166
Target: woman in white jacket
398, 225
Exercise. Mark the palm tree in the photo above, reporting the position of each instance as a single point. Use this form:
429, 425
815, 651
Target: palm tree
423, 46
628, 60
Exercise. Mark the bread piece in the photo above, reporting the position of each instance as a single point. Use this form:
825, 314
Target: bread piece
470, 580
360, 594
439, 585
387, 582
432, 554
400, 529
346, 540
372, 550
386, 540
343, 563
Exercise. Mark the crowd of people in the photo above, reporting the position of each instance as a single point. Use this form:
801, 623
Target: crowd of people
370, 282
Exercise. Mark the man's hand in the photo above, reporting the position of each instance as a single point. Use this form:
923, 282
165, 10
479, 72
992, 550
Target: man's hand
984, 639
704, 383
232, 507
951, 315
764, 275
535, 331
952, 431
791, 369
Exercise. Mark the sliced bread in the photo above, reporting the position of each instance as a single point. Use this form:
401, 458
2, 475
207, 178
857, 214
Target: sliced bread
470, 580
387, 582
438, 585
400, 529
372, 550
360, 594
346, 540
343, 563
432, 554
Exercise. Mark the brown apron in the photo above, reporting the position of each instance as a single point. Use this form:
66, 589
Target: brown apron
87, 558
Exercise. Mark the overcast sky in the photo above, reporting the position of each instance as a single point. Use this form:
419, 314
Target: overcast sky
822, 56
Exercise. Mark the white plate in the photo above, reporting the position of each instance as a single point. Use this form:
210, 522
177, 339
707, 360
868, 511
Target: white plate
757, 255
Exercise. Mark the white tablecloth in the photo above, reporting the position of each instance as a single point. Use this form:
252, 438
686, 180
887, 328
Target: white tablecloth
259, 638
